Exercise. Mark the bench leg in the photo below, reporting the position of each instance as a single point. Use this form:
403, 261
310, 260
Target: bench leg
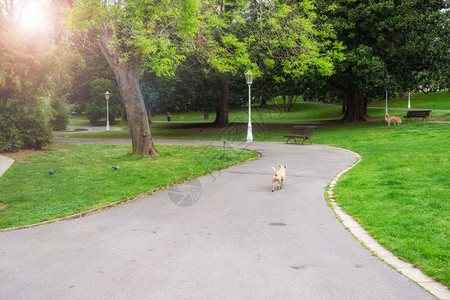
305, 139
291, 138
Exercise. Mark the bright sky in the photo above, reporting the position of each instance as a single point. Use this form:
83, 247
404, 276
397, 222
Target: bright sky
34, 15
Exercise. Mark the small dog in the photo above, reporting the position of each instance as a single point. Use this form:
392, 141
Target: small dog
279, 177
393, 119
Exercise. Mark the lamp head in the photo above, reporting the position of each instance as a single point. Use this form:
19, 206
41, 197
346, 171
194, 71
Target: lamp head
249, 77
107, 95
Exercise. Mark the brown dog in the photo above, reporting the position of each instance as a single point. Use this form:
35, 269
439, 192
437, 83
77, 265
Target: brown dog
279, 177
393, 119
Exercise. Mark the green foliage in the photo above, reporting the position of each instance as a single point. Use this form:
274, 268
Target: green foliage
152, 33
91, 65
96, 108
385, 37
23, 83
23, 125
59, 118
33, 65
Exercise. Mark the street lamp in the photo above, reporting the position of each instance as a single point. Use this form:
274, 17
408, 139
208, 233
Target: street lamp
387, 83
409, 98
107, 110
249, 78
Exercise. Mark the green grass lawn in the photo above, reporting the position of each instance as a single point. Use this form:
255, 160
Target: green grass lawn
434, 100
85, 178
400, 191
299, 112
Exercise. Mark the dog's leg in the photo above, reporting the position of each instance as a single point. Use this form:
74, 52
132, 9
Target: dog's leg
272, 185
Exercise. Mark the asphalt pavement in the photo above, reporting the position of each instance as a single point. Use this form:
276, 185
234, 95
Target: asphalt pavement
221, 236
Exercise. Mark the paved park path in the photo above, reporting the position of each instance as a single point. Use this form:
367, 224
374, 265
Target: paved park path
222, 236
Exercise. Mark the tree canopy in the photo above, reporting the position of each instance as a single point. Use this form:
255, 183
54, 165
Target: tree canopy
398, 39
134, 34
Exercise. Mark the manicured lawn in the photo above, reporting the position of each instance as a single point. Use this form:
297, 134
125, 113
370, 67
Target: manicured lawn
434, 100
299, 112
85, 178
400, 191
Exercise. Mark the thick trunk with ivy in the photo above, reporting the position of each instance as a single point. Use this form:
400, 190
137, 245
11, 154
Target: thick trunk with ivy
355, 107
127, 75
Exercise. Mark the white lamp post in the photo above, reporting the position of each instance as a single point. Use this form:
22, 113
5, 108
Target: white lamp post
387, 83
409, 98
107, 110
249, 78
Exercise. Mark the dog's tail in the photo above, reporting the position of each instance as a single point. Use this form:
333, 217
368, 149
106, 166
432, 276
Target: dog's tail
275, 170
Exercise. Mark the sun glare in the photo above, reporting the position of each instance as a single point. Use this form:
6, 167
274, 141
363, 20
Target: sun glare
34, 16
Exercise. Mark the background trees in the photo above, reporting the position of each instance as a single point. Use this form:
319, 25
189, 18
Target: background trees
293, 47
280, 41
395, 38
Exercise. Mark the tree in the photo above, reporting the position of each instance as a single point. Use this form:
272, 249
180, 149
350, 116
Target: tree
92, 65
277, 39
24, 86
395, 38
136, 33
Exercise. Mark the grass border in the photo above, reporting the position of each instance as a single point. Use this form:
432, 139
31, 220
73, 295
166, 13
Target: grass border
416, 275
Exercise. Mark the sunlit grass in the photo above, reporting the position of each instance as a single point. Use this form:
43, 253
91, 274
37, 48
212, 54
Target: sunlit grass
400, 191
85, 178
433, 100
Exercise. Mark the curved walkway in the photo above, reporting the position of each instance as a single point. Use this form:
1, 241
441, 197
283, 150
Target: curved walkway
222, 236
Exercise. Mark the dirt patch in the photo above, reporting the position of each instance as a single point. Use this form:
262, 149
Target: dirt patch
23, 155
2, 206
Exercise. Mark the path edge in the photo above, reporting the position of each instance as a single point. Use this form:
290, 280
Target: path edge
5, 163
408, 270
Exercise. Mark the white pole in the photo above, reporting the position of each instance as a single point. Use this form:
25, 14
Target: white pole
387, 95
386, 110
107, 115
249, 129
409, 98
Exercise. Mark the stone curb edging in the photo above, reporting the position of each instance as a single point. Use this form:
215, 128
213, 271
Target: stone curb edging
5, 163
435, 288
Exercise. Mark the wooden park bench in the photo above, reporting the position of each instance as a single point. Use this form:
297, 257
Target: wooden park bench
418, 114
301, 132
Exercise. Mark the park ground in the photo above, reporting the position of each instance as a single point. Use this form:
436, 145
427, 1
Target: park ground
398, 193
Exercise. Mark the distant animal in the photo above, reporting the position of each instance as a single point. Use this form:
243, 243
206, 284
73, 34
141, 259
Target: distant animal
393, 119
51, 172
116, 168
279, 177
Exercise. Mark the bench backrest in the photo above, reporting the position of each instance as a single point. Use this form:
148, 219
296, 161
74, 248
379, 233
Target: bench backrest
303, 130
418, 113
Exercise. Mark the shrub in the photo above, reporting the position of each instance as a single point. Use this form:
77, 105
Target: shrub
23, 125
59, 118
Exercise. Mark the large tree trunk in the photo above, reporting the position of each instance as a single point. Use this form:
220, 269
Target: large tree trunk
127, 76
222, 113
355, 107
